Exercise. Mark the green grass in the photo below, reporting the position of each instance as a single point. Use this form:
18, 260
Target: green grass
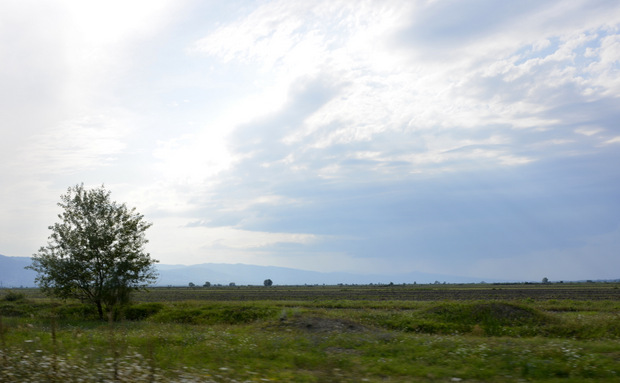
323, 340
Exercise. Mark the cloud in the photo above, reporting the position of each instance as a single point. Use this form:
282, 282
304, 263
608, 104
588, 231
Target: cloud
614, 140
432, 135
593, 259
32, 73
396, 119
74, 146
376, 99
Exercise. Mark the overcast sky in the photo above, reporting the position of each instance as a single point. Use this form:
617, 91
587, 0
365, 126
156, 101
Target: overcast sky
475, 138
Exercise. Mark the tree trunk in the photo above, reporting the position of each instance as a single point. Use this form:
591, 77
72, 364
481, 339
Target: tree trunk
99, 309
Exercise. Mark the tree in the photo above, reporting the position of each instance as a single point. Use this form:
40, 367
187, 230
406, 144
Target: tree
192, 285
268, 282
545, 280
207, 284
96, 252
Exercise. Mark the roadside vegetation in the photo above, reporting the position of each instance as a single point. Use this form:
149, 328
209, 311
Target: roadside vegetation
466, 333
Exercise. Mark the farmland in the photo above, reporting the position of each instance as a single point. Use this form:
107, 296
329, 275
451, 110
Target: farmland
568, 332
391, 292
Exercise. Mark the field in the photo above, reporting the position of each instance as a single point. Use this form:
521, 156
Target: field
561, 332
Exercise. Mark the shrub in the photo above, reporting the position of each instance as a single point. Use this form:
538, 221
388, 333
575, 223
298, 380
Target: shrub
494, 313
142, 311
178, 315
244, 314
13, 310
493, 317
12, 296
78, 311
216, 314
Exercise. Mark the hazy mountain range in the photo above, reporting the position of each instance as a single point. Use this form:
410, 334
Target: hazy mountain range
13, 274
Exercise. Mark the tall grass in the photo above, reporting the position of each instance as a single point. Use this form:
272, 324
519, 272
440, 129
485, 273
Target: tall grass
154, 352
322, 341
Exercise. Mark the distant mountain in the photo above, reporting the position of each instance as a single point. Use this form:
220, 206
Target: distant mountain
241, 274
13, 274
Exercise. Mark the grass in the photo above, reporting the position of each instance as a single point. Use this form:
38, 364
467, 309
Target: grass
323, 340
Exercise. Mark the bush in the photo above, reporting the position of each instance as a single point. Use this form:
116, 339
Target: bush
142, 311
79, 311
12, 296
244, 314
14, 310
179, 315
494, 317
495, 313
216, 314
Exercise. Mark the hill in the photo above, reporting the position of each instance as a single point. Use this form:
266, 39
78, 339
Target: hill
13, 274
242, 274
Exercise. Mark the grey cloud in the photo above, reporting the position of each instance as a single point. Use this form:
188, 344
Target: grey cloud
448, 23
306, 96
446, 27
443, 29
556, 204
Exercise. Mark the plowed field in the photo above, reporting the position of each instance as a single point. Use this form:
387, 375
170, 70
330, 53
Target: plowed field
579, 292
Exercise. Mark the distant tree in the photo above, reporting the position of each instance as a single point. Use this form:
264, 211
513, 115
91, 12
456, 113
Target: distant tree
96, 252
207, 284
268, 282
232, 284
192, 285
545, 280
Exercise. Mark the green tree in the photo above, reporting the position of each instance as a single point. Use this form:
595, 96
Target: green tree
96, 252
268, 282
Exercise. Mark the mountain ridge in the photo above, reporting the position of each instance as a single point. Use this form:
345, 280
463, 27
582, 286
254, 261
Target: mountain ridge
13, 274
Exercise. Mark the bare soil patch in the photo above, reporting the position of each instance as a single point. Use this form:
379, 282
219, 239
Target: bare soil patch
317, 324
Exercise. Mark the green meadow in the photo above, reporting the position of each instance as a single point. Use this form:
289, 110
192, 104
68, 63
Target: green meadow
395, 333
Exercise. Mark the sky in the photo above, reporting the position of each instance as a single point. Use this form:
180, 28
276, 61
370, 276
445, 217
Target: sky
475, 138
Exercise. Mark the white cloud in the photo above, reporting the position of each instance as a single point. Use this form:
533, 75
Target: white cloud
385, 88
222, 122
99, 36
191, 159
173, 236
113, 21
589, 130
81, 144
540, 45
605, 72
614, 140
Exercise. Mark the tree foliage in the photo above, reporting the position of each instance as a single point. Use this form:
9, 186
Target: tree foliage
96, 252
268, 282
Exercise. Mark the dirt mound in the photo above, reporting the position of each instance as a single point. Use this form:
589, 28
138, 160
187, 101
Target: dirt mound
318, 324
